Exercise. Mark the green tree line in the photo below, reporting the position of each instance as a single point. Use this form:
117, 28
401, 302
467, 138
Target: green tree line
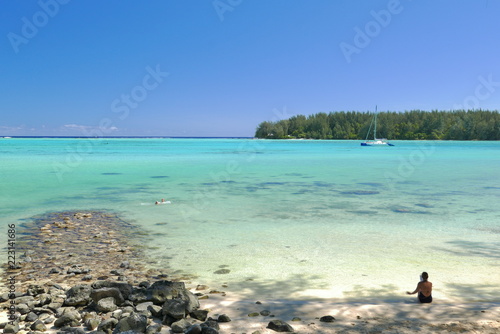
409, 125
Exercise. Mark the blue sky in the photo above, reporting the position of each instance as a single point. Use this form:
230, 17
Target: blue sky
219, 68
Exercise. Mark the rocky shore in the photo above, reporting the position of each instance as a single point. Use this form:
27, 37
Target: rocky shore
81, 272
86, 273
70, 247
110, 307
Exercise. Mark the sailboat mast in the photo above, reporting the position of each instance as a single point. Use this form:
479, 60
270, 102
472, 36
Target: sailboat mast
375, 141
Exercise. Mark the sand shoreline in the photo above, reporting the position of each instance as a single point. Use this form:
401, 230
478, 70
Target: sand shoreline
359, 317
302, 315
247, 316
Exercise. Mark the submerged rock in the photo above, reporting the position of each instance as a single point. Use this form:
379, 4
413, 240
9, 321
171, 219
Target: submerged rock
222, 271
360, 192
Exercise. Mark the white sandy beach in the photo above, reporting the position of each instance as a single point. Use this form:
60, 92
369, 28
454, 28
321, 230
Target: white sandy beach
403, 317
356, 317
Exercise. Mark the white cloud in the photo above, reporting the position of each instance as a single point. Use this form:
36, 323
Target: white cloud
64, 130
76, 127
11, 130
87, 130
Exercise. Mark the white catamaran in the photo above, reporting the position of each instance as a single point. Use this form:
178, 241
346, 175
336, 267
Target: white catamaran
376, 141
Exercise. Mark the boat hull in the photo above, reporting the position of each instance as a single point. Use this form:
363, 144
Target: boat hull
377, 143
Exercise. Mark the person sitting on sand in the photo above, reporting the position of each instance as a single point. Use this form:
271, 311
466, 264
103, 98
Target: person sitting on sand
424, 289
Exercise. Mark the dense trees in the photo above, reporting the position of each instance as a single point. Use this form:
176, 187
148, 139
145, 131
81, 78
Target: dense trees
415, 124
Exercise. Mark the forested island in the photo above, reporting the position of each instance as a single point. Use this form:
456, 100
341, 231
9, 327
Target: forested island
408, 125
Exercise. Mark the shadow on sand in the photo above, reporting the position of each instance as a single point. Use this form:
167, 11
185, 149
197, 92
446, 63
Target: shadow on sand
362, 310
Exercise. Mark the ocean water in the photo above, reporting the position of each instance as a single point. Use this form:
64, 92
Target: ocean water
287, 219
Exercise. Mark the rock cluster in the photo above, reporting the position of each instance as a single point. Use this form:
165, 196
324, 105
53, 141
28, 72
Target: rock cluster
111, 307
64, 248
65, 251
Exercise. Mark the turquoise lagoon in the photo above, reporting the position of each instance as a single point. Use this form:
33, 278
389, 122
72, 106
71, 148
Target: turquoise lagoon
288, 219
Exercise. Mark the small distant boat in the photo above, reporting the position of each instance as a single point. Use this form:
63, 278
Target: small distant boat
376, 141
7, 137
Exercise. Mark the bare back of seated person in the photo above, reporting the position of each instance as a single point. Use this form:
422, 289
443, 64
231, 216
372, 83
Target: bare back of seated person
424, 289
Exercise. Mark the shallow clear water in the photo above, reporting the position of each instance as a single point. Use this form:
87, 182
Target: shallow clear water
289, 219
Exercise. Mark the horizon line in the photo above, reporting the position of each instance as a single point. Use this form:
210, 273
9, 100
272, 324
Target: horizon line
159, 137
